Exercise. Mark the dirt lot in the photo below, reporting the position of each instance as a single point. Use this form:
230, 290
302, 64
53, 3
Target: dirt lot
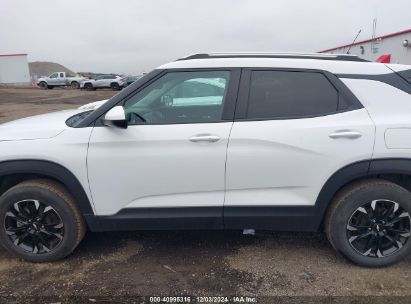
21, 102
116, 267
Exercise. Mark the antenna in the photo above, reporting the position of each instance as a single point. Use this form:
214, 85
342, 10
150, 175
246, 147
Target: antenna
374, 28
374, 35
348, 51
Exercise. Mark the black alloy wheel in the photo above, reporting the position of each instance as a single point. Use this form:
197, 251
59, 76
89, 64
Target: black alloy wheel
34, 226
369, 222
40, 221
379, 228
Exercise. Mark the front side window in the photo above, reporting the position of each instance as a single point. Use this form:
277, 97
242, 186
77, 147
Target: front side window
290, 94
54, 75
180, 97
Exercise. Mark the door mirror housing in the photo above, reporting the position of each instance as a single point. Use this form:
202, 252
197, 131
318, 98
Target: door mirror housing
116, 117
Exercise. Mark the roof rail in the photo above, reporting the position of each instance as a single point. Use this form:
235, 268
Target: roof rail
341, 57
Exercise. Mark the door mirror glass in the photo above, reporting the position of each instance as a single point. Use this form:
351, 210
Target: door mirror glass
116, 117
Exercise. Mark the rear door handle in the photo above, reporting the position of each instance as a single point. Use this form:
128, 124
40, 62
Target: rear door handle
204, 137
350, 134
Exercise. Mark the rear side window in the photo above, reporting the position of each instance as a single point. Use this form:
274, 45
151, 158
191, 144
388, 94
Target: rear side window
290, 94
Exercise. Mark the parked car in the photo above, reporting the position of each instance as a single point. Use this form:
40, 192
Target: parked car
60, 79
115, 82
296, 142
131, 79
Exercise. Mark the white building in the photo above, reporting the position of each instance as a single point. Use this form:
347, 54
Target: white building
14, 69
391, 48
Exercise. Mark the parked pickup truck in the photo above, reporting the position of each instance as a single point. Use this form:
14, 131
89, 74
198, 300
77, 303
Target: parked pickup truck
59, 79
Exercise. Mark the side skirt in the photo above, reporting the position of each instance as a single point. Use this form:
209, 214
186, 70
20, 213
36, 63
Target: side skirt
254, 217
279, 218
159, 219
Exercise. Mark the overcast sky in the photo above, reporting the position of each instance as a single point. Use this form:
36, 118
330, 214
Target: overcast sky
132, 36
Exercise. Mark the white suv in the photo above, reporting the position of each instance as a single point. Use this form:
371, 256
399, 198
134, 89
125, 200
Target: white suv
115, 82
298, 142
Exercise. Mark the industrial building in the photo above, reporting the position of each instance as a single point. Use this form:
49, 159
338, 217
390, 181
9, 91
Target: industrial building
390, 48
14, 69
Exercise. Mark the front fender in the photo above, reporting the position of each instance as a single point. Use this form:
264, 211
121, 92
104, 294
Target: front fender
50, 170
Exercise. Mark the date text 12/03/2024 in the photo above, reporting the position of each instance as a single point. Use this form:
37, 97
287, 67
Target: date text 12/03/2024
203, 299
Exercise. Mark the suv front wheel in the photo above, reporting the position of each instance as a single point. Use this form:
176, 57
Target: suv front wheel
369, 223
40, 221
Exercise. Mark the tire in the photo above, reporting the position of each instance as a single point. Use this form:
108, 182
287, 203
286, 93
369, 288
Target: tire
115, 86
88, 87
360, 223
75, 85
56, 235
43, 85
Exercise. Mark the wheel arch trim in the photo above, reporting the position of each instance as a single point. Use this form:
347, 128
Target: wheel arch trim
52, 170
356, 171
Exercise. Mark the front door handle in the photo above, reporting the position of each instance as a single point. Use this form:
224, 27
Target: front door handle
350, 134
204, 137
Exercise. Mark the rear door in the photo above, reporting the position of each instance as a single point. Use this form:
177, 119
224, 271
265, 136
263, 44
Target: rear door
293, 130
61, 80
106, 81
99, 82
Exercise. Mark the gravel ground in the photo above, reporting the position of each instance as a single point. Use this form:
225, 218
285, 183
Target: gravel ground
22, 102
117, 267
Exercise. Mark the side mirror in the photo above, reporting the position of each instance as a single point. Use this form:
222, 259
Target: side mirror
116, 117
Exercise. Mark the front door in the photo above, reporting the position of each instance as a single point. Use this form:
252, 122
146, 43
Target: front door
169, 164
54, 79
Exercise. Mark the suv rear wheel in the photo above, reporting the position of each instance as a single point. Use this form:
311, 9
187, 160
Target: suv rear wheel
115, 86
40, 221
75, 85
369, 223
